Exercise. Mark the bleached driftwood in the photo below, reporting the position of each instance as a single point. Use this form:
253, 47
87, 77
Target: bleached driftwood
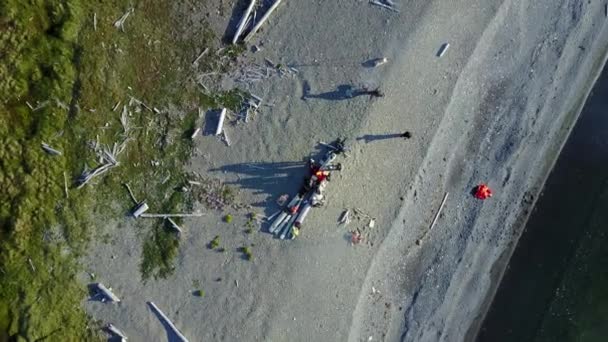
29, 105
445, 198
116, 332
379, 61
116, 106
31, 265
120, 22
262, 21
386, 4
124, 119
443, 49
106, 293
95, 21
195, 132
220, 124
108, 161
131, 193
243, 21
226, 139
65, 185
48, 149
139, 102
345, 217
168, 322
140, 209
174, 225
171, 215
200, 56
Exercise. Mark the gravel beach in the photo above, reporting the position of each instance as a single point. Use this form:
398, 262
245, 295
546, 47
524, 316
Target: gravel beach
495, 108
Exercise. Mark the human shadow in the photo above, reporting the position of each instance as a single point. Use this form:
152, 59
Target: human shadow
375, 137
342, 92
171, 335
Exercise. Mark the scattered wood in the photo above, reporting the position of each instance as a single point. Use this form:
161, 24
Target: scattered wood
372, 223
114, 331
345, 217
191, 182
328, 145
65, 185
31, 265
174, 225
119, 24
108, 161
200, 56
48, 149
95, 21
442, 50
29, 105
269, 218
139, 102
116, 106
106, 293
172, 215
445, 198
262, 21
156, 110
226, 139
40, 106
131, 193
379, 61
124, 119
384, 4
195, 133
220, 124
140, 209
168, 322
243, 22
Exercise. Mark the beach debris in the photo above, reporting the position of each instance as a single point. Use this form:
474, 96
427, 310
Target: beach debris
29, 260
168, 322
388, 4
200, 56
372, 223
174, 225
442, 50
269, 218
65, 185
108, 161
345, 217
243, 22
195, 133
282, 200
356, 237
262, 21
375, 291
105, 293
140, 103
115, 332
48, 149
482, 192
119, 24
95, 21
443, 201
140, 209
226, 139
220, 123
171, 215
379, 61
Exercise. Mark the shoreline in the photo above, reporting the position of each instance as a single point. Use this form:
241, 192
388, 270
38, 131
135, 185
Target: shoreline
503, 263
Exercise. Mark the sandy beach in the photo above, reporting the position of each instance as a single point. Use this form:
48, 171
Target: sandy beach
495, 108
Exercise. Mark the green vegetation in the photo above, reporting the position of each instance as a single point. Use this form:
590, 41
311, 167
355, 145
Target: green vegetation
61, 76
228, 218
215, 243
199, 293
247, 253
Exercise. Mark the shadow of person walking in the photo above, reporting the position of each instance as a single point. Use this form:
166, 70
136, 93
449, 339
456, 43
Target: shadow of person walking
342, 92
375, 137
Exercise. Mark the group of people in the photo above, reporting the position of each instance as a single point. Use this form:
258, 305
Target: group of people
320, 174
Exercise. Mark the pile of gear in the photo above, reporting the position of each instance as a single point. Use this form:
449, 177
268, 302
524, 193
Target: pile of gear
312, 194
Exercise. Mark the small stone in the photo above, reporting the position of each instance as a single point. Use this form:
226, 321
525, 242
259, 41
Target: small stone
419, 242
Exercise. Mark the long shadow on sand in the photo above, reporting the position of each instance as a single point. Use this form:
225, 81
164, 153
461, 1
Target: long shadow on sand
342, 92
374, 137
272, 179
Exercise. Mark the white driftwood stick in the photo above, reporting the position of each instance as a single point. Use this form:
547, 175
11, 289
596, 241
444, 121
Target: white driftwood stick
195, 133
174, 225
171, 215
31, 264
107, 293
220, 124
168, 322
443, 49
131, 193
95, 21
140, 210
48, 149
226, 139
243, 21
200, 56
262, 21
445, 198
65, 185
378, 3
116, 332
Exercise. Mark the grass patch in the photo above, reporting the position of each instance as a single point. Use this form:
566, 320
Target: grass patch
72, 75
